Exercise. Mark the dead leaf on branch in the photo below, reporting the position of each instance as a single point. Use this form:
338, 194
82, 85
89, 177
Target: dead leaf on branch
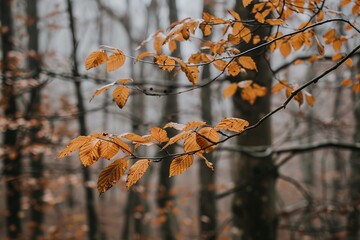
180, 164
120, 95
95, 59
74, 145
110, 175
115, 61
136, 171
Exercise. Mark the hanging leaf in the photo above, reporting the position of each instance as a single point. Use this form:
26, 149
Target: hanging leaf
247, 62
246, 3
165, 63
193, 125
123, 146
279, 86
74, 145
180, 164
143, 55
230, 90
285, 48
274, 22
159, 134
115, 61
251, 93
190, 144
235, 15
120, 95
177, 138
206, 138
134, 138
108, 148
177, 126
207, 162
101, 90
309, 98
95, 59
136, 171
232, 124
346, 82
234, 69
191, 72
89, 152
297, 41
110, 175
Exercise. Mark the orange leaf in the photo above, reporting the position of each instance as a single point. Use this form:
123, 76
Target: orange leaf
285, 48
74, 145
207, 162
165, 63
134, 138
232, 124
346, 82
245, 83
337, 57
234, 69
230, 90
180, 164
279, 86
349, 62
246, 3
309, 98
274, 22
115, 61
191, 72
143, 55
159, 135
356, 87
177, 138
206, 138
247, 62
177, 126
193, 125
108, 149
95, 59
101, 90
235, 15
136, 171
190, 143
121, 95
89, 152
110, 175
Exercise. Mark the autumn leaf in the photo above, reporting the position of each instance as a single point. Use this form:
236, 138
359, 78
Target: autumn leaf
177, 138
190, 143
89, 152
346, 82
123, 146
285, 48
108, 149
246, 3
120, 95
101, 90
143, 55
193, 125
74, 145
251, 93
191, 72
165, 63
247, 62
279, 86
95, 59
159, 135
207, 138
234, 69
232, 124
235, 15
207, 162
180, 164
274, 22
110, 175
136, 171
115, 61
309, 98
230, 90
177, 126
134, 138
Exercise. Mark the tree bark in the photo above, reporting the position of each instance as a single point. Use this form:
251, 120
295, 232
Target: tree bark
12, 156
254, 206
92, 219
36, 159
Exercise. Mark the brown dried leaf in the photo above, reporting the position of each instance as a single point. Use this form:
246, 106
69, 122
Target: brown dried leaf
89, 152
74, 145
110, 175
247, 62
101, 90
230, 90
206, 138
232, 124
159, 134
120, 95
193, 125
115, 61
95, 59
177, 138
136, 171
180, 164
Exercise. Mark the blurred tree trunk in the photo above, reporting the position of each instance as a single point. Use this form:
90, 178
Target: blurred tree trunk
254, 206
92, 220
207, 201
165, 200
136, 206
353, 224
12, 156
34, 108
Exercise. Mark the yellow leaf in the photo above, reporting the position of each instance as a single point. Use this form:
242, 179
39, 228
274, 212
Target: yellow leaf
110, 175
180, 164
320, 16
251, 93
143, 55
120, 95
285, 48
172, 45
279, 86
205, 28
115, 61
134, 138
136, 171
220, 64
230, 90
349, 62
158, 42
246, 34
309, 98
259, 17
207, 162
274, 22
235, 15
234, 69
89, 152
337, 57
123, 146
193, 125
108, 149
206, 138
297, 41
190, 144
246, 3
177, 138
165, 63
356, 87
159, 135
177, 126
232, 124
256, 39
95, 59
191, 72
346, 82
74, 145
101, 90
247, 62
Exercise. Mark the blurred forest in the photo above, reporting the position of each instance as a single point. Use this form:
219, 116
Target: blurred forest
294, 176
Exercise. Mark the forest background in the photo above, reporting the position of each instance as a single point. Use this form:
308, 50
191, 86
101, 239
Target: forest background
287, 167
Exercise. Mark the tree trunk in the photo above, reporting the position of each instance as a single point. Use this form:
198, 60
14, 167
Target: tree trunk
254, 205
207, 201
12, 157
36, 159
164, 199
353, 224
89, 195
